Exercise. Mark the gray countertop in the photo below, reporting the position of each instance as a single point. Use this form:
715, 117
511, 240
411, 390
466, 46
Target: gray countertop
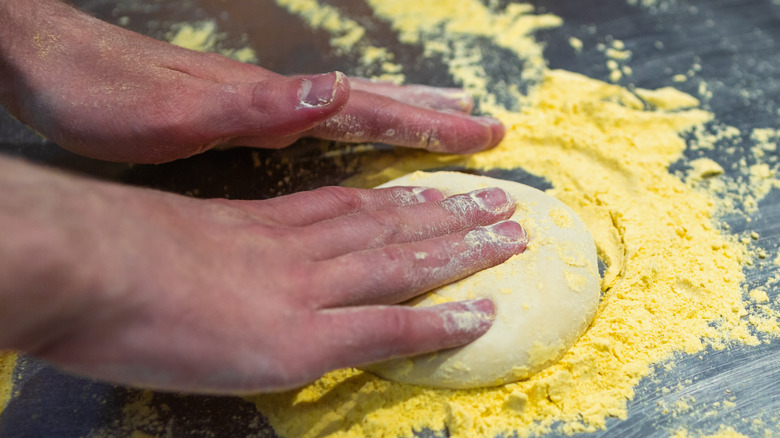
735, 42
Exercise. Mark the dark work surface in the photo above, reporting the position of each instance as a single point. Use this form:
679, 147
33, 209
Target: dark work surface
734, 42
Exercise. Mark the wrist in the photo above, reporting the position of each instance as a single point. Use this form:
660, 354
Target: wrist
48, 256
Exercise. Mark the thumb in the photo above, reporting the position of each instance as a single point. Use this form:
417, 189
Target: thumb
271, 113
284, 107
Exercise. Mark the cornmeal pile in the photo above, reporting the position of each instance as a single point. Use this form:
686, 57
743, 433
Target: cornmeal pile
673, 282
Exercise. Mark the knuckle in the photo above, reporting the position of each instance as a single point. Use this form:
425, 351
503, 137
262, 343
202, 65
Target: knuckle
224, 211
386, 225
461, 208
400, 268
403, 197
388, 113
344, 199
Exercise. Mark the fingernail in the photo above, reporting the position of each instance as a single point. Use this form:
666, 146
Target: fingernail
319, 90
493, 199
509, 231
428, 195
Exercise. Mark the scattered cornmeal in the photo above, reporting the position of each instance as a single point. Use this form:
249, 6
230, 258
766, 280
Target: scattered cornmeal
7, 363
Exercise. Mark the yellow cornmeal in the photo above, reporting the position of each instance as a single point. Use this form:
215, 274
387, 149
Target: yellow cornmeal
346, 35
575, 44
204, 38
724, 432
7, 364
450, 28
667, 98
345, 32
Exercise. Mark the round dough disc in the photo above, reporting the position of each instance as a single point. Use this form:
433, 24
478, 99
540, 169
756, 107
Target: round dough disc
545, 297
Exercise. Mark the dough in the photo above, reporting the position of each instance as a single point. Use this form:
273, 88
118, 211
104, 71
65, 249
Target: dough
545, 298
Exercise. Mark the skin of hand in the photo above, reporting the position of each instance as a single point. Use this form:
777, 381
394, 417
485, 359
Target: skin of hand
108, 93
158, 290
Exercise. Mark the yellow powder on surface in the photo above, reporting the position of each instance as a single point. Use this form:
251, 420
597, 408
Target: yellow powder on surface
347, 35
196, 36
617, 57
740, 191
759, 295
7, 366
667, 98
140, 418
345, 32
203, 37
620, 55
723, 432
575, 44
702, 168
452, 29
767, 137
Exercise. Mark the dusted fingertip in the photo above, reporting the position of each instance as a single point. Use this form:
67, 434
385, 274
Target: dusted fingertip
493, 199
484, 306
512, 232
470, 318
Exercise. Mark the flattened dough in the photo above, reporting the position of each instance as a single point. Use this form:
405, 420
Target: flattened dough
545, 297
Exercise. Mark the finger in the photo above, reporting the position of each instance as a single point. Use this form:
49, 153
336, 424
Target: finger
272, 112
306, 208
395, 273
377, 228
453, 99
364, 335
368, 117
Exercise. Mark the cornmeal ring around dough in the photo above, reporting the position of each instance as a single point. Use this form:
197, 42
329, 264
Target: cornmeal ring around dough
545, 297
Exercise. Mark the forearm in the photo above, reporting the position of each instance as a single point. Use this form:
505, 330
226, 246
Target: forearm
47, 255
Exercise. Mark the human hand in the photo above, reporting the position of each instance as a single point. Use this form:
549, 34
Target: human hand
108, 93
158, 290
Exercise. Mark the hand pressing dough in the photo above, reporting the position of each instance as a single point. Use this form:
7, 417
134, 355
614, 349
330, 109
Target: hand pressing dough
545, 297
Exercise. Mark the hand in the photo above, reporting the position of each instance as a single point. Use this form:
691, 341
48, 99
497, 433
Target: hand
108, 93
159, 290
